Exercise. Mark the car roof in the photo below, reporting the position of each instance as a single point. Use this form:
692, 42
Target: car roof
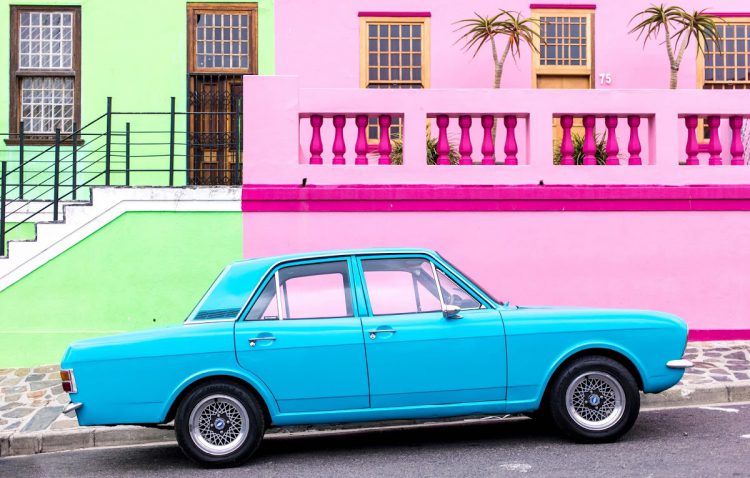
266, 261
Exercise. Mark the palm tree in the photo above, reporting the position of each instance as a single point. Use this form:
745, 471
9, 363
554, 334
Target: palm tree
482, 30
677, 25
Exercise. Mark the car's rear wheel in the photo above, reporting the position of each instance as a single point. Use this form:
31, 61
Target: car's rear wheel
594, 399
219, 424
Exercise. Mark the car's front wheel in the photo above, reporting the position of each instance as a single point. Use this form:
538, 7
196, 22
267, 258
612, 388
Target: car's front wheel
219, 424
594, 399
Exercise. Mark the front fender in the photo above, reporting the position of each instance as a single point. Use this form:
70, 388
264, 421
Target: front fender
539, 341
592, 346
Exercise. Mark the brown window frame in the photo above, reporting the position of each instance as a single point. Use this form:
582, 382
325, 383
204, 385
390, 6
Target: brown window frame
194, 9
17, 74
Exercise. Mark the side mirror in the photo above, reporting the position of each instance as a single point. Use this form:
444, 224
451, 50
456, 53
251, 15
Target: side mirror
451, 311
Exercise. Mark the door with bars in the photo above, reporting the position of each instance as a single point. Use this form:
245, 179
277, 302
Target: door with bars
222, 46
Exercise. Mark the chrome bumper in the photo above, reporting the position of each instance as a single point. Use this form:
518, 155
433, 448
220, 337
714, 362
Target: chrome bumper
70, 409
681, 363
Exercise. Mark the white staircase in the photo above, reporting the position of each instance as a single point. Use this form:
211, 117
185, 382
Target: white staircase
77, 220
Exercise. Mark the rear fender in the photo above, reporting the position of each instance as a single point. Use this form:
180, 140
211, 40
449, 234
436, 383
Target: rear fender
250, 379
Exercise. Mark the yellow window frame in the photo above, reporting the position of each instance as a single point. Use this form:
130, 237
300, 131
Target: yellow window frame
574, 70
364, 60
700, 64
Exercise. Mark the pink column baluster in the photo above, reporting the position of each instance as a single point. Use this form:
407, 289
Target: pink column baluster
511, 147
443, 147
634, 145
316, 144
691, 148
339, 148
736, 149
384, 147
488, 143
714, 143
589, 142
612, 147
566, 145
361, 146
464, 147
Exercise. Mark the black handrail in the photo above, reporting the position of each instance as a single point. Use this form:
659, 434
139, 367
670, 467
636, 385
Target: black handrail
59, 171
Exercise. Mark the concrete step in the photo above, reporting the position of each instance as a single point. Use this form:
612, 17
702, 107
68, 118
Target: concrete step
77, 220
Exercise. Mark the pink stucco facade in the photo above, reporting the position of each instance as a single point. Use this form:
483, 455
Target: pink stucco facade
675, 261
655, 233
318, 41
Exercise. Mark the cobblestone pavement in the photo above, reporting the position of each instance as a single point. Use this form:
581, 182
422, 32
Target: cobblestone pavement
31, 399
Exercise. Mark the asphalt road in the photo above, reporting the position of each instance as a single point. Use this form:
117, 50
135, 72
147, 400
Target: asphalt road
706, 441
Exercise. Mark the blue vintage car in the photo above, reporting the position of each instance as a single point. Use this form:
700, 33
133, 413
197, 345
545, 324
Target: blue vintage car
361, 335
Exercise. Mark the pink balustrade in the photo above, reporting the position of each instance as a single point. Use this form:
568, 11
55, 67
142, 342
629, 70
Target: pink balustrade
739, 142
597, 128
481, 134
292, 132
367, 150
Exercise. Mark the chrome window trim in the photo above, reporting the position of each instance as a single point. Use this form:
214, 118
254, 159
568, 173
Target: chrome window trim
481, 306
437, 285
278, 294
433, 256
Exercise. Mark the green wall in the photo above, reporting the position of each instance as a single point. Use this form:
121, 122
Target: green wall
136, 52
144, 269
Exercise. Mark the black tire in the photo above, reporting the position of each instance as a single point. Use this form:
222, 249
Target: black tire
599, 381
227, 406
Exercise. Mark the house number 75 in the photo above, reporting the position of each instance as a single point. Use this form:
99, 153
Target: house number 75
605, 78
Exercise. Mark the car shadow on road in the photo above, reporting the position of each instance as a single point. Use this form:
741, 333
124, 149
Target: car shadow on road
490, 431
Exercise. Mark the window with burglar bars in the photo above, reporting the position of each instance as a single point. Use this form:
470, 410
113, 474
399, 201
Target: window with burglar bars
394, 53
222, 46
726, 66
45, 65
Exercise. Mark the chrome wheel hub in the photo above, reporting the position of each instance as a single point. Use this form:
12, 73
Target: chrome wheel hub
595, 400
219, 424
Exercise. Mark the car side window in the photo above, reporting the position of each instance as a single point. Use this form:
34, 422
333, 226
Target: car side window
266, 305
309, 291
400, 286
454, 294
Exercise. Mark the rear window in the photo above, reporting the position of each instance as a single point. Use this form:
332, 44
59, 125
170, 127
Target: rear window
228, 294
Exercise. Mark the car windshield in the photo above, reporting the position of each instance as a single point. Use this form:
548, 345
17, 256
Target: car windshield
476, 284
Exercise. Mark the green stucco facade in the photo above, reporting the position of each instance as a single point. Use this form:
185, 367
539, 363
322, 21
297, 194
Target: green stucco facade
134, 51
144, 269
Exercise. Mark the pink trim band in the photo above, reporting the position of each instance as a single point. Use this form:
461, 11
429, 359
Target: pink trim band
562, 6
730, 14
720, 334
395, 14
428, 197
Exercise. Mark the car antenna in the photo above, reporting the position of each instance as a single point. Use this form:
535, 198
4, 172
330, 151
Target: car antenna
304, 182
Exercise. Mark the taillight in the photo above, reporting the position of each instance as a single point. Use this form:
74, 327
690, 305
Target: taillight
68, 381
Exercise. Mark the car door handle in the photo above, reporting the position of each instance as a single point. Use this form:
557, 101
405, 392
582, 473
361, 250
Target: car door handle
253, 341
374, 332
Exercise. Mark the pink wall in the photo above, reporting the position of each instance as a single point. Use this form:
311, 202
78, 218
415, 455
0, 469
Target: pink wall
277, 133
691, 263
319, 41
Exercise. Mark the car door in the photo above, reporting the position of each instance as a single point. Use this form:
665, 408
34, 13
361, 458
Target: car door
415, 355
303, 339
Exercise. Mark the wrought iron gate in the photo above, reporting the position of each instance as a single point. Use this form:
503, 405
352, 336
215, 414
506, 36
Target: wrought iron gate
214, 129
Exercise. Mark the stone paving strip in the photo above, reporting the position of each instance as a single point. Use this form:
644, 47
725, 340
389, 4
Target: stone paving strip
32, 399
